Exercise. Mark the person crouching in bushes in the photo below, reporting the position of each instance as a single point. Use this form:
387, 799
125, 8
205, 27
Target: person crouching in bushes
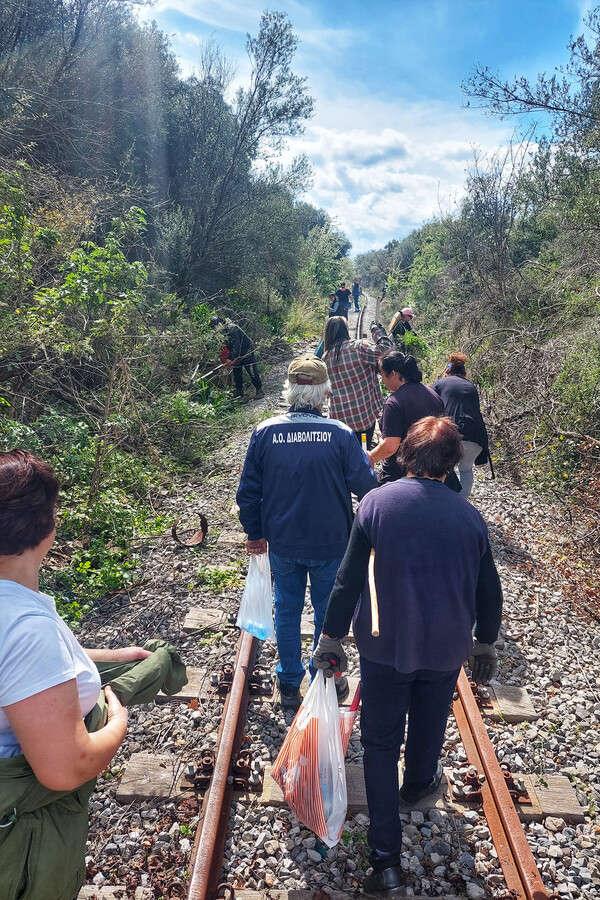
447, 585
58, 729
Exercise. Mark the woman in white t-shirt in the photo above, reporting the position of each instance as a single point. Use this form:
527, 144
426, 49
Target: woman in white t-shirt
48, 682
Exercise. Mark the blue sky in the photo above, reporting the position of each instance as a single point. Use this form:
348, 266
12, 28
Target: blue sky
390, 141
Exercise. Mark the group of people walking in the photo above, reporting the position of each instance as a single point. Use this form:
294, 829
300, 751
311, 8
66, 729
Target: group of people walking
341, 301
436, 581
438, 592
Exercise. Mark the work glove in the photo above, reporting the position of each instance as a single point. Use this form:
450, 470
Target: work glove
330, 656
483, 662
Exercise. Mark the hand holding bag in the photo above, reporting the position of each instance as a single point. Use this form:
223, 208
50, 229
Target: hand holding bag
256, 608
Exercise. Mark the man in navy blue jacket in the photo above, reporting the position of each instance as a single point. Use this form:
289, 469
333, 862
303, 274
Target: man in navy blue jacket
435, 580
295, 496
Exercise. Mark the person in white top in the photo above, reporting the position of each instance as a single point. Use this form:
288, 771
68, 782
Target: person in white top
48, 683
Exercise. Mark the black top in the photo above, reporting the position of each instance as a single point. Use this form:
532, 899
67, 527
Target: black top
238, 343
409, 403
434, 574
461, 402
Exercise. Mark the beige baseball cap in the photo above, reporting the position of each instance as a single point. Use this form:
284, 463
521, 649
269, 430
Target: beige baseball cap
307, 369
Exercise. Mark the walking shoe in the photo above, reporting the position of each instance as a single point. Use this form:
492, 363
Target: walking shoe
291, 697
259, 394
410, 797
237, 395
342, 688
383, 880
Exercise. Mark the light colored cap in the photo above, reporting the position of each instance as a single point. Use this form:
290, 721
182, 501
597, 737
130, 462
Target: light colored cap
307, 369
407, 311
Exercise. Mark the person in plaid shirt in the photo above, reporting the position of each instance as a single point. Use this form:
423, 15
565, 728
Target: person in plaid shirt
353, 368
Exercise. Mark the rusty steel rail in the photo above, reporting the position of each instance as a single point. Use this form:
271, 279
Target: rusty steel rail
514, 854
209, 845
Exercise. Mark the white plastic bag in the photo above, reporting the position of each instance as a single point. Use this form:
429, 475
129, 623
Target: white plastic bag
256, 608
310, 766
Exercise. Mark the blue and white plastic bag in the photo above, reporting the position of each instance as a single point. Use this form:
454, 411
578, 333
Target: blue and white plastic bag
256, 607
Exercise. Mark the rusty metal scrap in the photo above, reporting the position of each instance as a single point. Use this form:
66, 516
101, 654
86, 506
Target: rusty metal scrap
198, 536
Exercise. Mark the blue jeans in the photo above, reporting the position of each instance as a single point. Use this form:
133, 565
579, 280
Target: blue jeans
387, 697
289, 579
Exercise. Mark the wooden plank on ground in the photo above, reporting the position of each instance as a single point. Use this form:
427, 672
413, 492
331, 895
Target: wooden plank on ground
511, 703
555, 798
231, 539
199, 619
197, 683
112, 892
149, 775
307, 627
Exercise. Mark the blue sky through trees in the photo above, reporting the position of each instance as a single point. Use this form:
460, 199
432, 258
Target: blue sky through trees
390, 141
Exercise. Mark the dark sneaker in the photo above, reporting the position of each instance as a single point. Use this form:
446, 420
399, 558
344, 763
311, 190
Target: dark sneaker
410, 796
259, 394
237, 396
342, 688
291, 697
383, 880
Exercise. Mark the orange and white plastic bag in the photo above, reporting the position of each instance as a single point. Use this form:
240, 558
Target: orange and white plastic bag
310, 766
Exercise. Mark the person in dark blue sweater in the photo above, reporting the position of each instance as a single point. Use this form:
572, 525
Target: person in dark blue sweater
435, 580
295, 495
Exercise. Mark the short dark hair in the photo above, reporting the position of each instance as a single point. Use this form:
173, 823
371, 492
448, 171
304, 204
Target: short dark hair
28, 491
433, 447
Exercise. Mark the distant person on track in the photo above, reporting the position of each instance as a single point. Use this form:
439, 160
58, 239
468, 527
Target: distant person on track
334, 306
58, 729
295, 500
238, 353
461, 402
435, 579
344, 299
409, 401
353, 368
356, 292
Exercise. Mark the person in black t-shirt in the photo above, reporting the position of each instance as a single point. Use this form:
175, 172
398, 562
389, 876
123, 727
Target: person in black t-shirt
410, 401
343, 295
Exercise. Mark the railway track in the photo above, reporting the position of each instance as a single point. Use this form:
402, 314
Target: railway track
519, 879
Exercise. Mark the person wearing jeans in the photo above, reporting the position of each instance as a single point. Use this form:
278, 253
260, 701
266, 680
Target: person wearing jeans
435, 580
295, 499
289, 580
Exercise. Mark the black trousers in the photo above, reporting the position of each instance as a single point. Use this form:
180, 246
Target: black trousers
388, 697
251, 368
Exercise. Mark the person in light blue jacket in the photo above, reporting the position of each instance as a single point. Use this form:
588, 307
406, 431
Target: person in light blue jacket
295, 498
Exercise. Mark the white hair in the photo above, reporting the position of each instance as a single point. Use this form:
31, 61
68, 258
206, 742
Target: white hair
304, 396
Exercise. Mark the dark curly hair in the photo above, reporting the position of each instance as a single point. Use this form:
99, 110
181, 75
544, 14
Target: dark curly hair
28, 491
456, 364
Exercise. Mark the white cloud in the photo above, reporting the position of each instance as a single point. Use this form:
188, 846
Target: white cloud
396, 166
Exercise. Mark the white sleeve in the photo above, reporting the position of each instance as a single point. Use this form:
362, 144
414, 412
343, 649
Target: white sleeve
34, 656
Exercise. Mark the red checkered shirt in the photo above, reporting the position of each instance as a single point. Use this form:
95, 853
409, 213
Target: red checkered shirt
355, 393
